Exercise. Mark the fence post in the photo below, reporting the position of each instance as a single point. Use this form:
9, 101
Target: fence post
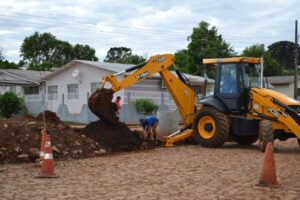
62, 98
162, 99
28, 103
128, 97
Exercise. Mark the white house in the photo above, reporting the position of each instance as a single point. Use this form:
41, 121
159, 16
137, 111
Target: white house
27, 84
282, 84
74, 82
21, 82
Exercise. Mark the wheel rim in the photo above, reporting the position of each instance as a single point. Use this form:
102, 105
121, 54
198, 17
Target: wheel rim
206, 127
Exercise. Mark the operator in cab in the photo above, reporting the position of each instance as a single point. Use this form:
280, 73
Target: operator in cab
229, 82
149, 125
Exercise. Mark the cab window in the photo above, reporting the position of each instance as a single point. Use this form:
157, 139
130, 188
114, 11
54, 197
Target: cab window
228, 84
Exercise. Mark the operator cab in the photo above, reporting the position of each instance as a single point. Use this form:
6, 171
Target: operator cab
234, 78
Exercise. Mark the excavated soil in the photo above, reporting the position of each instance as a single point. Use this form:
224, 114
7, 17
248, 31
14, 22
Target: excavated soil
50, 117
113, 138
100, 103
21, 137
109, 132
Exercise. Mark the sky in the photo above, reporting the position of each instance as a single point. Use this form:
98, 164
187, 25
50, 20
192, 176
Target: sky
147, 27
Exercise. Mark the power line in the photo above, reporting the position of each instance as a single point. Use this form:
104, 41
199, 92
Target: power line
132, 30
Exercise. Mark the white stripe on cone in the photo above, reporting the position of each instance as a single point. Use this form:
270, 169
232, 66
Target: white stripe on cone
48, 156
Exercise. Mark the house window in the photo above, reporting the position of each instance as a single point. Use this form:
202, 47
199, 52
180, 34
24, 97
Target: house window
12, 89
31, 90
52, 92
73, 92
95, 86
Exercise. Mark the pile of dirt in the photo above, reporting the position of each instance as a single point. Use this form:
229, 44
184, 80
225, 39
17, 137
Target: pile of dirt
21, 137
100, 103
114, 138
109, 132
50, 117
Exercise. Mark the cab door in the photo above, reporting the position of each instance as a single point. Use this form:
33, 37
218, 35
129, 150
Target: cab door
227, 86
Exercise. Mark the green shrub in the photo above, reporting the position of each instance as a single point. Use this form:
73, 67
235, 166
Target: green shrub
11, 104
145, 106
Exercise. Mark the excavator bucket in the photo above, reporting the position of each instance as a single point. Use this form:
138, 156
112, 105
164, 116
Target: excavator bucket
100, 103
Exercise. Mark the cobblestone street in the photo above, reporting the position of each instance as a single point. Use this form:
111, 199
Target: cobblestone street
182, 172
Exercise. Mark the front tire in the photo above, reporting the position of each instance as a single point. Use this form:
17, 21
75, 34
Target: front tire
211, 127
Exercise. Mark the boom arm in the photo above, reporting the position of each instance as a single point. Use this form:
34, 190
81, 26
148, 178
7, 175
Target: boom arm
183, 95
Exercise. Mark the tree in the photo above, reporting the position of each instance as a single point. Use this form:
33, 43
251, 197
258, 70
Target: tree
43, 51
117, 54
146, 106
205, 43
4, 64
10, 104
134, 59
38, 48
84, 52
62, 54
271, 66
256, 50
1, 54
123, 55
181, 60
283, 53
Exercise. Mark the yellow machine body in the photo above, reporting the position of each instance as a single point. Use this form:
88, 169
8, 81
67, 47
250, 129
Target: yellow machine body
264, 104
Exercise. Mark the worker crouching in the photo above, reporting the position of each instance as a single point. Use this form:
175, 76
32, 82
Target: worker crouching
149, 125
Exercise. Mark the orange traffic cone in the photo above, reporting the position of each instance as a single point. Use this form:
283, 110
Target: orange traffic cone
42, 149
47, 170
268, 175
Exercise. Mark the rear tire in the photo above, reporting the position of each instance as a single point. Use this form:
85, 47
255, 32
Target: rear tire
265, 134
245, 140
211, 127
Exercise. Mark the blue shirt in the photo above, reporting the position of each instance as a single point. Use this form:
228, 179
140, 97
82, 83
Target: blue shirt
150, 121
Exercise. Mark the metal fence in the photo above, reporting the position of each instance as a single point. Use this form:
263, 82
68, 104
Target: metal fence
159, 98
38, 103
35, 103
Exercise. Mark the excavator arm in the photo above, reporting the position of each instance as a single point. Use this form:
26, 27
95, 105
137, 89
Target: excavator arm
182, 94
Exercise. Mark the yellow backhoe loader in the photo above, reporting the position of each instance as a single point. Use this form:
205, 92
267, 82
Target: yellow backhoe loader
240, 109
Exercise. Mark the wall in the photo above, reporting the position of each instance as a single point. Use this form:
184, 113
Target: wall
88, 74
149, 89
16, 89
128, 112
287, 89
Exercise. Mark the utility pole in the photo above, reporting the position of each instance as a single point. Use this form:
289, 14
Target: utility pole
296, 61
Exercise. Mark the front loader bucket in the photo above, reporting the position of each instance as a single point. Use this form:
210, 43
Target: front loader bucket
100, 103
